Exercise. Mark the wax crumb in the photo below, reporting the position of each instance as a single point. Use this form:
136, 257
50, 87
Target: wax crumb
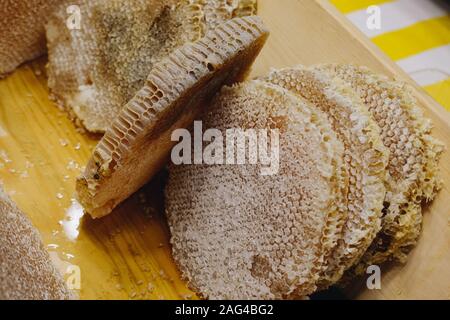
24, 174
63, 142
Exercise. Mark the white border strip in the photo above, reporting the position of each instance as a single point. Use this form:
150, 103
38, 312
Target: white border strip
428, 67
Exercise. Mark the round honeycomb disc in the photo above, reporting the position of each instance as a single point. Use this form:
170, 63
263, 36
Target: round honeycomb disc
365, 159
413, 161
237, 234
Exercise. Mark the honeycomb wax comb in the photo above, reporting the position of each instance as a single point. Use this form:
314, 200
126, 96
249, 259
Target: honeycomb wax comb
138, 143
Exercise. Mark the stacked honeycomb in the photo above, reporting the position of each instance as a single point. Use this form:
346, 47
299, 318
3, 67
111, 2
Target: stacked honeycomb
236, 234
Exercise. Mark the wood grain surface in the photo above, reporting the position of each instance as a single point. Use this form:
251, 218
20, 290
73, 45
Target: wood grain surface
127, 254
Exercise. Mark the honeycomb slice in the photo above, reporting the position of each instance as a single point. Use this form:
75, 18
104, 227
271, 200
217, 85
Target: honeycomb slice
413, 162
22, 33
138, 143
237, 234
96, 70
93, 71
26, 271
365, 158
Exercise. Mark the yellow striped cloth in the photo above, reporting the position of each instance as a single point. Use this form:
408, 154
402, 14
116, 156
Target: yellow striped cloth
414, 33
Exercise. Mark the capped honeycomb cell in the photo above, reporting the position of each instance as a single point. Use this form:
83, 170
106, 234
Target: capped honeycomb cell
246, 8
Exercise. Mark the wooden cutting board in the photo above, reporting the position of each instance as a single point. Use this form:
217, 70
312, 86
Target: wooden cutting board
127, 255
